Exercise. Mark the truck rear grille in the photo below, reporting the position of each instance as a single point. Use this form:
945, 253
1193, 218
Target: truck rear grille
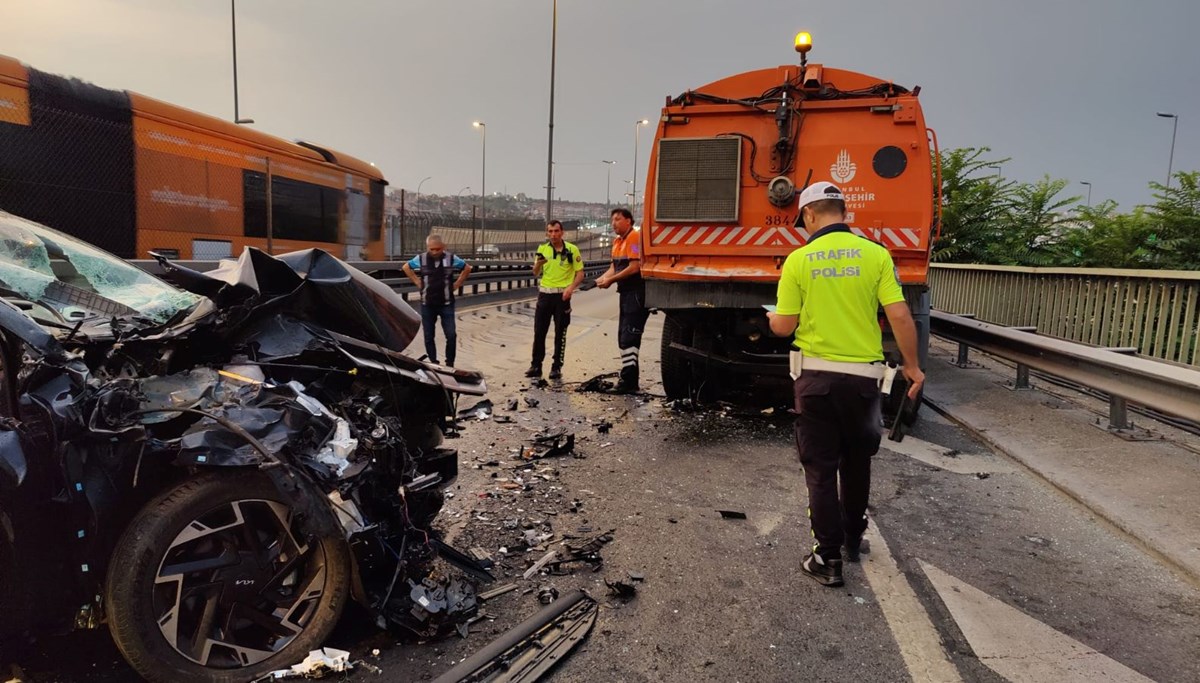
698, 179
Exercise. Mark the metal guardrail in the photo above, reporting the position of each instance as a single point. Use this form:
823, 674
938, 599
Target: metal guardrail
486, 278
1165, 387
1156, 311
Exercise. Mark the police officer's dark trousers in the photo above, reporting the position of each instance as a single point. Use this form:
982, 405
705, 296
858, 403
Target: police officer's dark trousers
632, 323
837, 432
550, 306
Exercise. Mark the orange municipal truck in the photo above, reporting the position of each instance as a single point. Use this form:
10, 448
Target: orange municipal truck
728, 163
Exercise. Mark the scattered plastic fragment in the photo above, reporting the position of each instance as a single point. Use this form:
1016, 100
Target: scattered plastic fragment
317, 664
732, 514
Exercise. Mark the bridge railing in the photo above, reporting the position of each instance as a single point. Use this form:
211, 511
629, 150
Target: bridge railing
1155, 311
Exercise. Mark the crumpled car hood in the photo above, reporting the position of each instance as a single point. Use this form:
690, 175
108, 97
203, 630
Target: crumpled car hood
311, 284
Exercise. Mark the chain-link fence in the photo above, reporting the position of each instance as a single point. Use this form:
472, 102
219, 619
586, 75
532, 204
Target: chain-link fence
496, 237
133, 175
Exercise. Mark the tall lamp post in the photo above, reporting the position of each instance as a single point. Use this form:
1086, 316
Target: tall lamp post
483, 177
460, 199
637, 129
417, 201
1174, 129
550, 144
233, 26
1089, 187
997, 167
608, 186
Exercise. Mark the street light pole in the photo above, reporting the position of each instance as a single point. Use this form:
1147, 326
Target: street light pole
550, 145
637, 129
608, 186
417, 201
483, 177
459, 210
1174, 129
997, 167
1089, 187
233, 28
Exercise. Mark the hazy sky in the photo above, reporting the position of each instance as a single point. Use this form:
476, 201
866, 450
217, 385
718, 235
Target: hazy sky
1065, 87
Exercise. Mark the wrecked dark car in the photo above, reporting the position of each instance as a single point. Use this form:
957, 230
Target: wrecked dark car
213, 467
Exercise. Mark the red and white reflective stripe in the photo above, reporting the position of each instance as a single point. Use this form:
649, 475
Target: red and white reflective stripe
757, 236
902, 238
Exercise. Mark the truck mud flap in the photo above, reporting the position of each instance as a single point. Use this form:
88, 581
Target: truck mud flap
532, 648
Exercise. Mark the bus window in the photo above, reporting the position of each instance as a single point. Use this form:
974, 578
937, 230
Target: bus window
299, 210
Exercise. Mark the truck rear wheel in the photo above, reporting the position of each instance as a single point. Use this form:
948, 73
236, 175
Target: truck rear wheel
683, 376
676, 371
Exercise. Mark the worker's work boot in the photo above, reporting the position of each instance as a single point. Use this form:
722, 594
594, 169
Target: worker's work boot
825, 572
534, 371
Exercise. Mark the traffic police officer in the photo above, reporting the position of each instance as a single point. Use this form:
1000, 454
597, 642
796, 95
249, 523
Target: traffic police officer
626, 271
830, 291
560, 268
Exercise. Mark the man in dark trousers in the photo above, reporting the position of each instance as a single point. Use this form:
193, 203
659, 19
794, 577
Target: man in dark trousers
559, 269
830, 291
626, 272
433, 272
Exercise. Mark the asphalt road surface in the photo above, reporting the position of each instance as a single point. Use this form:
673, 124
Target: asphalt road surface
980, 571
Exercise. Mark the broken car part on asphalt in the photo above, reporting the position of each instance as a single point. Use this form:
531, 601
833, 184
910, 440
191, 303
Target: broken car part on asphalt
252, 444
532, 648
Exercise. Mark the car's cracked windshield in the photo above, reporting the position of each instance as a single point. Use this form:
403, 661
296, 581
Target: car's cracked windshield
77, 281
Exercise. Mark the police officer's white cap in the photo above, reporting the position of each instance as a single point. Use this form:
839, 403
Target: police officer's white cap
818, 191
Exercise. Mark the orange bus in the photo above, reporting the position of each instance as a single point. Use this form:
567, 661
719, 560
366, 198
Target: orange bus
132, 175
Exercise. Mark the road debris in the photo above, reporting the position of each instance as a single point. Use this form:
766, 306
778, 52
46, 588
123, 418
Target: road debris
480, 411
537, 566
602, 384
547, 595
317, 664
497, 592
531, 649
732, 514
624, 591
550, 444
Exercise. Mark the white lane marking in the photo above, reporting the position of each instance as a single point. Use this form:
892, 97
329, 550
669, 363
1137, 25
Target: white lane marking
1017, 646
944, 458
919, 642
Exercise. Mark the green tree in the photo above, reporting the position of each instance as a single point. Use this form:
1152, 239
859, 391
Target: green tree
972, 206
1177, 218
1032, 224
1102, 237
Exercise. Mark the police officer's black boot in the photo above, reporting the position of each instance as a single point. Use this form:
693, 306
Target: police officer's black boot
827, 572
556, 371
534, 371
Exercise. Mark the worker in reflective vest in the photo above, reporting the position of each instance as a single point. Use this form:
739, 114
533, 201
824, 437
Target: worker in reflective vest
626, 272
433, 272
830, 291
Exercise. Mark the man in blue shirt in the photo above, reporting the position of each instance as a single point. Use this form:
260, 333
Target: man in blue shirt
433, 274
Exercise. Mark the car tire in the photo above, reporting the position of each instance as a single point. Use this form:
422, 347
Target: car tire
206, 563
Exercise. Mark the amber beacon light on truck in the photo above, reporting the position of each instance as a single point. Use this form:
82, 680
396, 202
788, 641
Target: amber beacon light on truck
728, 161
